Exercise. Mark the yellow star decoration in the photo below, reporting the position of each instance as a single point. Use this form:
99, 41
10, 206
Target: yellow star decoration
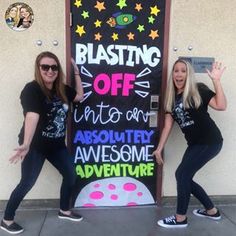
153, 34
154, 10
98, 23
100, 6
121, 4
78, 3
130, 36
80, 30
97, 37
138, 7
114, 36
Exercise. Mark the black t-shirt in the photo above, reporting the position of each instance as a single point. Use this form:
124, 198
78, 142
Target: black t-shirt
196, 124
51, 128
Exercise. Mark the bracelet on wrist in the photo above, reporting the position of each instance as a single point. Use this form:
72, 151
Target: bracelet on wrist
76, 73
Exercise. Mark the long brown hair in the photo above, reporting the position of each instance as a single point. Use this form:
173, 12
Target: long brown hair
58, 85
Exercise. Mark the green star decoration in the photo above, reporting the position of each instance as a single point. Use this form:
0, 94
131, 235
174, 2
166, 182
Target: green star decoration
121, 4
151, 19
140, 28
85, 14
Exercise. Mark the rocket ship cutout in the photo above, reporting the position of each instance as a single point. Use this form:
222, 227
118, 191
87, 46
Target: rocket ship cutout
120, 20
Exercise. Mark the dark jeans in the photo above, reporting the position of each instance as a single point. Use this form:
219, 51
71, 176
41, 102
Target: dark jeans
30, 170
195, 157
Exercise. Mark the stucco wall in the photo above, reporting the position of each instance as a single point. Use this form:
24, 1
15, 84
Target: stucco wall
18, 51
207, 26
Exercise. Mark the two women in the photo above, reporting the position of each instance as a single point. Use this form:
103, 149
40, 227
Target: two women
45, 103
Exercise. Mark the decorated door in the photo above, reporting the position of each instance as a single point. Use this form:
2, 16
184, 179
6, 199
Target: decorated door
119, 48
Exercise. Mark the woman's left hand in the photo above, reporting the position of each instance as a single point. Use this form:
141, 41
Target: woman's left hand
216, 71
20, 154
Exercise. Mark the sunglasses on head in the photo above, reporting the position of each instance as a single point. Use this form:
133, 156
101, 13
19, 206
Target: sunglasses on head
46, 67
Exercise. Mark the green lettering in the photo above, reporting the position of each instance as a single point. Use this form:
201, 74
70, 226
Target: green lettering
143, 169
98, 170
150, 169
88, 171
133, 170
124, 169
115, 170
79, 171
107, 170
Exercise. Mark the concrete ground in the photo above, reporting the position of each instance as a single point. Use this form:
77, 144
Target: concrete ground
42, 220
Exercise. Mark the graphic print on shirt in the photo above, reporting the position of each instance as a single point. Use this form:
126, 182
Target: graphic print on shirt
56, 120
181, 116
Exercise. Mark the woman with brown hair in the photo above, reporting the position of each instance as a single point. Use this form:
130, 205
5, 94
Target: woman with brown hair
45, 102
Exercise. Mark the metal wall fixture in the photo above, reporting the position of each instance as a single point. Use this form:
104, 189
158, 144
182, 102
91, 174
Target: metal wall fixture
55, 42
175, 49
39, 42
190, 47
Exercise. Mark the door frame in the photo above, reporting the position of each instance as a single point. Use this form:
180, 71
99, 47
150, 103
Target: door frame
68, 22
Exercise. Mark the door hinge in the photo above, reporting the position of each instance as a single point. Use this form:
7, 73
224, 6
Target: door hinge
70, 19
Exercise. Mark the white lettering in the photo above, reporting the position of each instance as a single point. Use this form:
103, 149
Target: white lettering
117, 54
111, 153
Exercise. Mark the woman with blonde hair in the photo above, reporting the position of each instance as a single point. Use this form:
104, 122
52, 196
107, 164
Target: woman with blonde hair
12, 16
186, 103
45, 102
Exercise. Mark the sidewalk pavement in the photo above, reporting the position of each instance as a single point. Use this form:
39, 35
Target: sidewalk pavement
121, 221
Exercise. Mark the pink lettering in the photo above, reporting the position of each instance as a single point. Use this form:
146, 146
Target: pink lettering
128, 85
102, 84
118, 84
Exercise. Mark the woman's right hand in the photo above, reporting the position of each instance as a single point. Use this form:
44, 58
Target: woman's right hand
158, 156
75, 67
20, 154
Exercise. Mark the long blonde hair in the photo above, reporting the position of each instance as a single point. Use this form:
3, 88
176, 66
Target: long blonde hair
58, 84
191, 96
16, 18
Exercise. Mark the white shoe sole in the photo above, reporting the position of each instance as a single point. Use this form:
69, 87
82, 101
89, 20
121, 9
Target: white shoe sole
10, 232
71, 219
209, 217
162, 224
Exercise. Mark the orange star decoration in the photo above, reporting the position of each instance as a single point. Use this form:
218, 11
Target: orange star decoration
100, 6
78, 3
130, 36
153, 34
97, 37
138, 7
114, 36
80, 30
98, 23
154, 10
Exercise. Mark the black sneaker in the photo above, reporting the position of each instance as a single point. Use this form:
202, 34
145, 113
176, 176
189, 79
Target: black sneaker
203, 213
171, 222
72, 216
13, 228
